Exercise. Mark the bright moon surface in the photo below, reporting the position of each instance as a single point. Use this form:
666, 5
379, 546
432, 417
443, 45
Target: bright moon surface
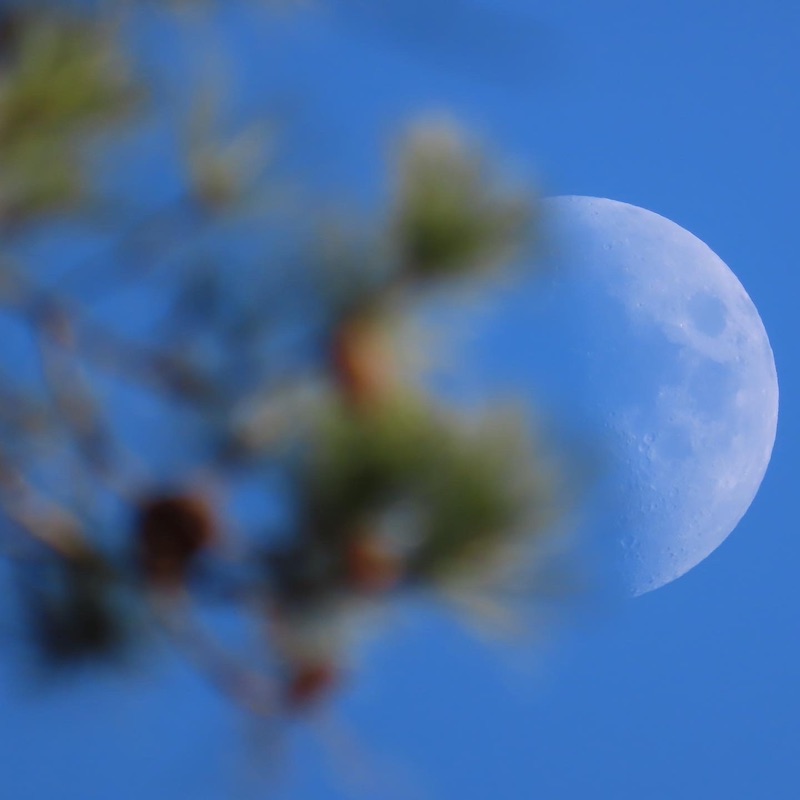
645, 343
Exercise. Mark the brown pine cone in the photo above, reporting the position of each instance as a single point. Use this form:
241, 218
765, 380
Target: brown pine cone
171, 531
370, 565
308, 684
360, 361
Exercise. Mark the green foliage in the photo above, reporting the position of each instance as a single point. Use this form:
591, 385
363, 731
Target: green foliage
451, 214
389, 489
63, 81
363, 461
224, 171
473, 489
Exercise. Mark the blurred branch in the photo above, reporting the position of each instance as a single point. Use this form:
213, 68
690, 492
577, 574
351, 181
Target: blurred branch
70, 395
145, 243
38, 517
277, 345
61, 323
249, 689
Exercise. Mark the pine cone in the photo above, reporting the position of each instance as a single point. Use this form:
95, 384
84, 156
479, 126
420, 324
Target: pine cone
360, 361
308, 684
370, 565
172, 530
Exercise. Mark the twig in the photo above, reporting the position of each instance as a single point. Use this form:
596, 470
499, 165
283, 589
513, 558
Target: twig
251, 690
40, 518
136, 245
110, 351
68, 390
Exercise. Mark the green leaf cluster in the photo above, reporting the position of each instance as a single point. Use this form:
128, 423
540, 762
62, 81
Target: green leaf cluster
452, 214
474, 488
62, 79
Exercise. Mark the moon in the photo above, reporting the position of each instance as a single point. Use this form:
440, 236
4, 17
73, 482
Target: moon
644, 341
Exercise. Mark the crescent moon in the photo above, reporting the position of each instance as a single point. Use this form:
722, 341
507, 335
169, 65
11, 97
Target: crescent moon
644, 339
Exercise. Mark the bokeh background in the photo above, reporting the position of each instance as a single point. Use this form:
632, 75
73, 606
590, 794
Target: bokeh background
687, 109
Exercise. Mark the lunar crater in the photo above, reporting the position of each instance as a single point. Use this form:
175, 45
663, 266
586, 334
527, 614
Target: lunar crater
708, 314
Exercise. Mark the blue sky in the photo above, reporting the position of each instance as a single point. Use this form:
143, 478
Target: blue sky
685, 108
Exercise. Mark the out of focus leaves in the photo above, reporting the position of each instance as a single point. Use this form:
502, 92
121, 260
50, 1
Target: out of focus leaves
467, 490
225, 169
229, 352
485, 488
62, 76
452, 214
